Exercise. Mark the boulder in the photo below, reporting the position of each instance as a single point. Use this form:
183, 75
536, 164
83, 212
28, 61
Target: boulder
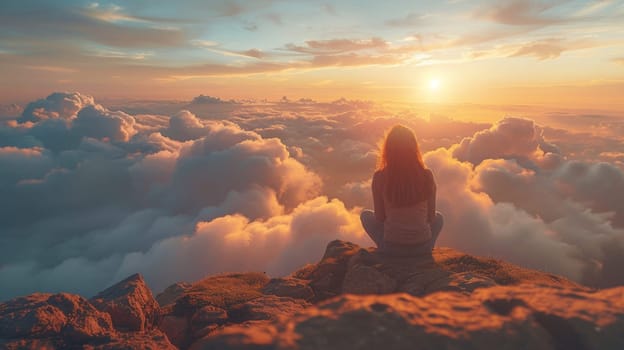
148, 340
464, 282
347, 268
196, 309
251, 335
399, 321
326, 277
171, 294
362, 279
338, 249
289, 287
29, 344
191, 302
501, 272
417, 282
130, 303
221, 291
177, 330
207, 319
269, 307
31, 315
67, 321
527, 316
63, 318
435, 280
573, 318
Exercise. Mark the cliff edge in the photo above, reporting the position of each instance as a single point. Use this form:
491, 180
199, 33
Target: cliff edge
353, 298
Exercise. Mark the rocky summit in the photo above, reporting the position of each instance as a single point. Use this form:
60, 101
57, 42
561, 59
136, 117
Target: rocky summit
353, 298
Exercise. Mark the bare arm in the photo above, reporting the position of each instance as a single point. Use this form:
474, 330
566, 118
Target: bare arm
378, 202
431, 202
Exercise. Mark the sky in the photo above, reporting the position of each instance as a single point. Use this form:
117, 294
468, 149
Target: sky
189, 138
501, 53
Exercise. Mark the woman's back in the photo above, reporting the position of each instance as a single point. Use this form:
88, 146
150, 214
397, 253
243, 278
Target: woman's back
404, 220
405, 224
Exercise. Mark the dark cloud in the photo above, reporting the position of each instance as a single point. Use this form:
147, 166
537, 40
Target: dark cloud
62, 20
329, 8
276, 18
521, 12
353, 59
10, 111
543, 50
412, 19
598, 185
230, 8
203, 99
213, 69
255, 53
552, 48
250, 26
336, 46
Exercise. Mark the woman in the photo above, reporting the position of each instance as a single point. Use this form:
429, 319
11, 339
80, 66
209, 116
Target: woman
405, 221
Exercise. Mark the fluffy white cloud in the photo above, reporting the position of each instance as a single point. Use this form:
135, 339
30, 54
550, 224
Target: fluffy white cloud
476, 224
561, 216
100, 186
515, 138
98, 122
277, 245
232, 242
63, 105
185, 126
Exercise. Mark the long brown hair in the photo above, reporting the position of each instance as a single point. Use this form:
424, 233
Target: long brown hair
406, 181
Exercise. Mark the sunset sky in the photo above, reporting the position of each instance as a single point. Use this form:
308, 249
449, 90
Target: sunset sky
564, 54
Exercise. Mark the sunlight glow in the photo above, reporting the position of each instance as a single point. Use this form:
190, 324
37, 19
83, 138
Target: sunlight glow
434, 84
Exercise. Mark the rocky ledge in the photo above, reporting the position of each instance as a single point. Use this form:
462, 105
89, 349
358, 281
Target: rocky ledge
353, 298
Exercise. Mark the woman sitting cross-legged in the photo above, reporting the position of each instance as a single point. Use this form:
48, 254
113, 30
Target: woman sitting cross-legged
405, 221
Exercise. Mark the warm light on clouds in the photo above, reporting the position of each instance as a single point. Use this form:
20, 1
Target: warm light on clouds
176, 190
497, 52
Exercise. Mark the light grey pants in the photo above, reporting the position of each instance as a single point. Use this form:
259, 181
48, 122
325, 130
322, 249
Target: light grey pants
375, 230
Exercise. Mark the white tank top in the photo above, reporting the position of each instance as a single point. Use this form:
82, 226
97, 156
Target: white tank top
407, 225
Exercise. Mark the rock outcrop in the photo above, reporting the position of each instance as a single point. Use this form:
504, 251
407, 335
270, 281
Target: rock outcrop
130, 304
289, 287
66, 321
212, 297
65, 316
353, 298
172, 293
531, 317
347, 268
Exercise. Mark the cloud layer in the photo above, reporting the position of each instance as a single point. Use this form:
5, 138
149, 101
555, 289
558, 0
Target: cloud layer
92, 194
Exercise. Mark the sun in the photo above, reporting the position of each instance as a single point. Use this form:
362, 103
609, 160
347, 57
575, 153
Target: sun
434, 84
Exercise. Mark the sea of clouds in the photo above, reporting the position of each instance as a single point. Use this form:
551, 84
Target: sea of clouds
178, 191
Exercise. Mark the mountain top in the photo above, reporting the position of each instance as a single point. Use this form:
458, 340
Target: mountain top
353, 298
